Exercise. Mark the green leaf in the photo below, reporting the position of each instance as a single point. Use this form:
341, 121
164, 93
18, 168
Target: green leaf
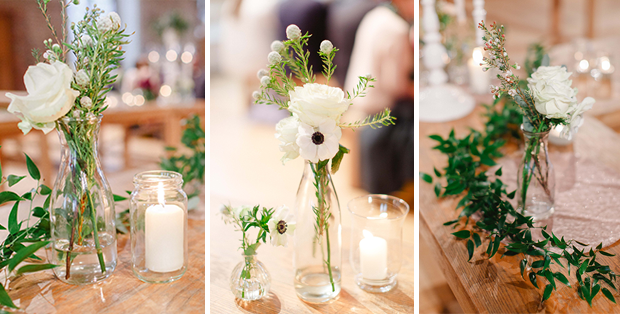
5, 299
470, 249
547, 293
608, 295
32, 169
8, 196
559, 276
582, 268
606, 253
595, 290
476, 238
549, 276
13, 224
38, 212
45, 190
499, 172
34, 268
118, 198
427, 178
13, 179
533, 279
463, 234
437, 189
486, 160
338, 158
23, 253
451, 222
437, 173
522, 266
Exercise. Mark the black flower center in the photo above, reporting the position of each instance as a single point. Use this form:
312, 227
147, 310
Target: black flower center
281, 226
318, 138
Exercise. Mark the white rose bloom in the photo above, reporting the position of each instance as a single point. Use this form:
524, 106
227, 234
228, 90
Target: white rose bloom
261, 73
313, 103
286, 133
108, 22
551, 88
86, 102
49, 95
293, 32
274, 58
277, 46
281, 226
321, 143
81, 78
326, 47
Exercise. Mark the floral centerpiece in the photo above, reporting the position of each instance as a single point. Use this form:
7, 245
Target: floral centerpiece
250, 280
313, 131
71, 99
548, 101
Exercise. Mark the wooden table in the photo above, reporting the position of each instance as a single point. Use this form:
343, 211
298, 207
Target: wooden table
121, 293
278, 261
495, 285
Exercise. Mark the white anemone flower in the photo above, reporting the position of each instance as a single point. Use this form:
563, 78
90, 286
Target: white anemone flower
293, 32
281, 226
321, 143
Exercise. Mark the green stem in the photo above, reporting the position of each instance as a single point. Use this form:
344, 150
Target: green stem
93, 216
321, 178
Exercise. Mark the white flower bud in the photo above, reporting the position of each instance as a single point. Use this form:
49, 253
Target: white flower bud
86, 41
90, 116
274, 58
56, 48
368, 76
261, 73
255, 95
326, 47
86, 102
108, 22
81, 78
77, 113
277, 46
293, 32
265, 80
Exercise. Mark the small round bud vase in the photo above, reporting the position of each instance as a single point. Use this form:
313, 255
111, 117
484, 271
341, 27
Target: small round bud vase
158, 217
376, 240
250, 280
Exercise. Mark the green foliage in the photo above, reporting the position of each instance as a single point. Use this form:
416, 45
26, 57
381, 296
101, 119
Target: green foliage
173, 21
487, 198
252, 218
377, 121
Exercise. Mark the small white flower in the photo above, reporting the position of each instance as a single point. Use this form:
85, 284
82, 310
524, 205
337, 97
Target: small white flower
261, 73
56, 48
277, 46
108, 22
321, 143
286, 133
265, 80
368, 76
241, 211
505, 54
87, 41
281, 226
255, 95
81, 78
274, 58
517, 66
293, 32
49, 55
86, 102
326, 47
77, 113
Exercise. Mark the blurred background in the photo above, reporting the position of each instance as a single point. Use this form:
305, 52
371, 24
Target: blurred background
157, 101
583, 35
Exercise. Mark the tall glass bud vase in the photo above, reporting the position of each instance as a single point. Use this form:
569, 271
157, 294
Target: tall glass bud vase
536, 177
318, 241
82, 207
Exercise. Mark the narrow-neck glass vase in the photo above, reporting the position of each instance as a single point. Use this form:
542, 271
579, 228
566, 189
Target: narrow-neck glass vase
82, 207
536, 178
318, 241
250, 280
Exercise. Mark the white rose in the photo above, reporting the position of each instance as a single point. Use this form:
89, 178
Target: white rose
49, 95
552, 91
81, 78
313, 103
293, 32
108, 22
286, 133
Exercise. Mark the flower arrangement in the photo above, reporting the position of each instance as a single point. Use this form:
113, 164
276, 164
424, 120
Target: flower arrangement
313, 131
71, 98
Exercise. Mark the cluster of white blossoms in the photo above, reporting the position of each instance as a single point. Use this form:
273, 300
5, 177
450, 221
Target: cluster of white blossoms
50, 95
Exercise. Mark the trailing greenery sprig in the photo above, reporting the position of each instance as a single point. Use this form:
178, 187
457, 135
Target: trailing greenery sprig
487, 197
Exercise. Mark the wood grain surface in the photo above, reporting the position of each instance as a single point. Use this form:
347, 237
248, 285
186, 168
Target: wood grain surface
121, 293
495, 285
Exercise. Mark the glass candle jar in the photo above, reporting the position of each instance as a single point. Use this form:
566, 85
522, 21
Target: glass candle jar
158, 216
376, 240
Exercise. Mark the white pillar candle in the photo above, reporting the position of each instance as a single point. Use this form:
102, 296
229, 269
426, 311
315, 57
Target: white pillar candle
164, 228
373, 257
478, 79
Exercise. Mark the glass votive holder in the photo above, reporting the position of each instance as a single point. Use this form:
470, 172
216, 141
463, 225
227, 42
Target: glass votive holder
376, 240
158, 217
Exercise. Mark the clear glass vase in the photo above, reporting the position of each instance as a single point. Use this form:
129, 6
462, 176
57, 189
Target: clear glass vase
250, 280
318, 240
536, 177
82, 207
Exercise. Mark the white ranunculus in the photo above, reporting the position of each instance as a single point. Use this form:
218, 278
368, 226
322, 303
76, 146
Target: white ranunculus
293, 32
552, 91
313, 103
286, 133
281, 226
49, 95
326, 47
321, 143
81, 78
109, 21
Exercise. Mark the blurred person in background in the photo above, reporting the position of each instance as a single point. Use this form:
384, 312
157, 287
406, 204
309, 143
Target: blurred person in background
142, 78
383, 48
